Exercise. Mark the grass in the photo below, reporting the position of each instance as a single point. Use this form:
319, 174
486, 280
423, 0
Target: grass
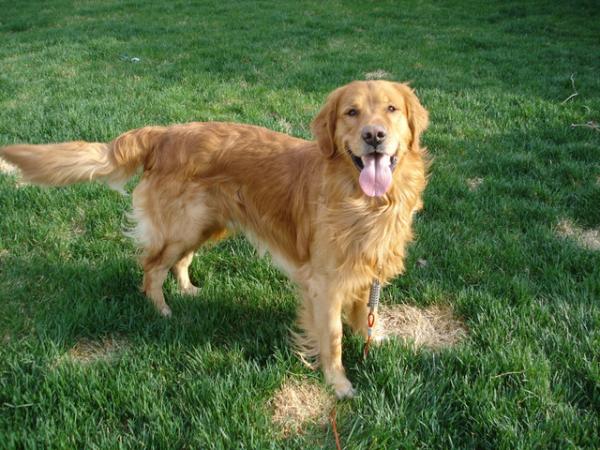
494, 78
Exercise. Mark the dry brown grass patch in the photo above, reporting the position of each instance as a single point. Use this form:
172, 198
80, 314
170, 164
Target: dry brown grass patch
7, 168
297, 404
474, 183
433, 327
379, 74
586, 238
87, 351
285, 126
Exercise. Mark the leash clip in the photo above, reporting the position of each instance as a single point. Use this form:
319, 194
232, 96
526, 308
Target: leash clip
373, 304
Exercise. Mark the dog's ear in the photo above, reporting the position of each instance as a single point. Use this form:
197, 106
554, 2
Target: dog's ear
418, 117
323, 126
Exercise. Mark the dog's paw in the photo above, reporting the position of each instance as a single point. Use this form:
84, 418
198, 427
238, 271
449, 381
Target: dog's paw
165, 311
344, 389
337, 379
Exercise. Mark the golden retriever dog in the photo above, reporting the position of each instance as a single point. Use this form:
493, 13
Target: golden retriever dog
334, 213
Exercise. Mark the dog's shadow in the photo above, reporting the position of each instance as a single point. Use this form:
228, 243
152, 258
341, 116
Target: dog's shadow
67, 301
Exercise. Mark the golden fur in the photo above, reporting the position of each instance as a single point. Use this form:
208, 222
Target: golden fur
299, 200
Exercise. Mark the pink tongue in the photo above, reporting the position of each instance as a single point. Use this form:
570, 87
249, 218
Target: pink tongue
376, 176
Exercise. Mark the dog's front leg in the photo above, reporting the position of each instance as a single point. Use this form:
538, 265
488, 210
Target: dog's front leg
327, 316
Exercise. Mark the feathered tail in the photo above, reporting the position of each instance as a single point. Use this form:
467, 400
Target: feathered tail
71, 162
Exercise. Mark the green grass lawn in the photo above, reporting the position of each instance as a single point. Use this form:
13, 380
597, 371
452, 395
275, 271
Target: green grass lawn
509, 172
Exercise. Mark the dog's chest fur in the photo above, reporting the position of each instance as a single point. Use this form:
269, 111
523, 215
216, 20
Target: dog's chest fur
369, 237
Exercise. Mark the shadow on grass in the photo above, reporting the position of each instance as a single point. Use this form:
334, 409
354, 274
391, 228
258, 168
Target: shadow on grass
67, 301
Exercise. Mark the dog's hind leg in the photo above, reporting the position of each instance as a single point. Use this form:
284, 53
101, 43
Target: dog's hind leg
180, 270
170, 225
156, 268
177, 256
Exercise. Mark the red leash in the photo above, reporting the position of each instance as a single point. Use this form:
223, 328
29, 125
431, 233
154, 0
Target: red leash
332, 416
370, 323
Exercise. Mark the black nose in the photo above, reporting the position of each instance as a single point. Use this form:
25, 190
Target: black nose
373, 134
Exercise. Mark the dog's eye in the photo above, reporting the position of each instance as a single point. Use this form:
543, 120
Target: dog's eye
391, 108
352, 112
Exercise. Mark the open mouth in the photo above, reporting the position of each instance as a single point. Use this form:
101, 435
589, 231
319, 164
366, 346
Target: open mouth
375, 170
358, 162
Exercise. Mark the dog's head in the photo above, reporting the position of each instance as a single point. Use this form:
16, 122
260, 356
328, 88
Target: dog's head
372, 124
